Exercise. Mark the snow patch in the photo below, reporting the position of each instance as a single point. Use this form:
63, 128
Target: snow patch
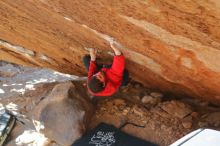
17, 49
2, 91
44, 57
26, 79
31, 137
67, 18
18, 90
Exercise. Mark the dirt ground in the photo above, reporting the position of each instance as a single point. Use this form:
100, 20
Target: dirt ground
163, 120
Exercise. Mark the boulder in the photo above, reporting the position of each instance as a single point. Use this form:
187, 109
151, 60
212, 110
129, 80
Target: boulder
64, 114
213, 119
156, 94
176, 108
147, 99
187, 122
170, 46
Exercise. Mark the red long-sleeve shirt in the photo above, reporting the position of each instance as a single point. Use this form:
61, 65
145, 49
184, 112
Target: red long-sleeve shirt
113, 75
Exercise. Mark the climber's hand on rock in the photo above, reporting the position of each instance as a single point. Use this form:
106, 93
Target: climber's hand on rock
115, 49
92, 53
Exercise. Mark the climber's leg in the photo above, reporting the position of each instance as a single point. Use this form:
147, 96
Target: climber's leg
125, 78
86, 62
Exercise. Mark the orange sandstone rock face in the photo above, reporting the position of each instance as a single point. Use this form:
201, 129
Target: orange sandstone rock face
169, 45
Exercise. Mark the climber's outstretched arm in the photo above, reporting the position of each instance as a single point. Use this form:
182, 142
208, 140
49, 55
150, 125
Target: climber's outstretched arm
118, 62
92, 66
115, 49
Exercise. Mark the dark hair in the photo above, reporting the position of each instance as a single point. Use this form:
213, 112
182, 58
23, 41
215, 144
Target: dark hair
95, 85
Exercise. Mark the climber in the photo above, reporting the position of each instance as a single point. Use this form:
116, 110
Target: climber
104, 80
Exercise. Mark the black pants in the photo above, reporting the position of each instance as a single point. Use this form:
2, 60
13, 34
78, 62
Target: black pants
86, 62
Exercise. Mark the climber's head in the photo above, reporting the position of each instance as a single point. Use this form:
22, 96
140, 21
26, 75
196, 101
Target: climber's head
97, 82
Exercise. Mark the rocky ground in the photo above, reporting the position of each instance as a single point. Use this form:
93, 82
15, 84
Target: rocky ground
163, 118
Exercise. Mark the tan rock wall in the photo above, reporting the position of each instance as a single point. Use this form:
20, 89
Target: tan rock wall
169, 45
